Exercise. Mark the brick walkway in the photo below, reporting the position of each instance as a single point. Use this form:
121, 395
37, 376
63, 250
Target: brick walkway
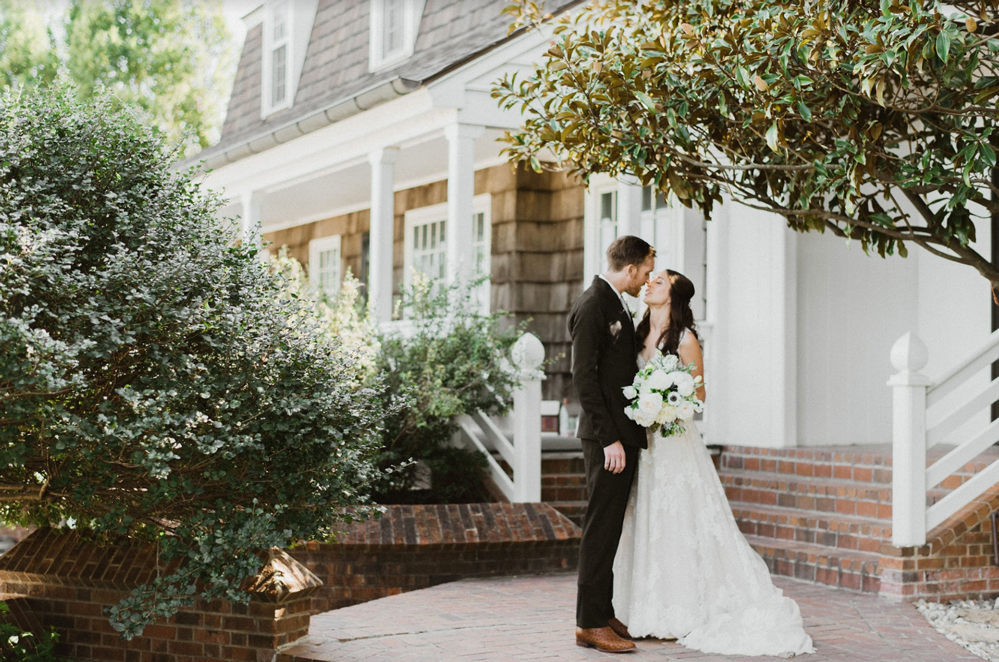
531, 618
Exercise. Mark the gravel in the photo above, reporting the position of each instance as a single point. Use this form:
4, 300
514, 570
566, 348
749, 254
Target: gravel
972, 623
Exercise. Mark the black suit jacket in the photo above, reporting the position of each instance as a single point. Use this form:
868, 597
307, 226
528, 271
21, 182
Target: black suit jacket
604, 353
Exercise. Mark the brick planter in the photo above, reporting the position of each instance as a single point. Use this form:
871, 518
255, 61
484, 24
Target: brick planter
57, 579
413, 547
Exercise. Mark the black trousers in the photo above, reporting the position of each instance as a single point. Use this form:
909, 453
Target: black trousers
601, 533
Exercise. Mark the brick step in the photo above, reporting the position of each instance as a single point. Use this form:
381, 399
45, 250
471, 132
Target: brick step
572, 509
852, 570
864, 464
810, 493
810, 526
563, 487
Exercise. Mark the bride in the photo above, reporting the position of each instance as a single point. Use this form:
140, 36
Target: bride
683, 569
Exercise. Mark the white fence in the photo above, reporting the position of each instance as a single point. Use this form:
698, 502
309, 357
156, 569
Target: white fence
923, 416
523, 452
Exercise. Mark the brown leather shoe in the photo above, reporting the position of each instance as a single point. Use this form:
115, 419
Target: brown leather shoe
620, 629
603, 639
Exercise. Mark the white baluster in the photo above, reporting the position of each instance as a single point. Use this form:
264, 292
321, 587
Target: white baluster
528, 354
908, 357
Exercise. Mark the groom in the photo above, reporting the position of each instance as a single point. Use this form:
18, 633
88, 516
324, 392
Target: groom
604, 353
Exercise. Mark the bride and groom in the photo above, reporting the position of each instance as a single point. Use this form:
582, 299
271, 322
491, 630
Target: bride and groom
661, 554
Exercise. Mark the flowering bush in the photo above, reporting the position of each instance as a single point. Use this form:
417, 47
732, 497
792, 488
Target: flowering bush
663, 395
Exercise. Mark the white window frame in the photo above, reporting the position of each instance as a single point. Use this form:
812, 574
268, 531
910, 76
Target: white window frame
481, 204
316, 248
412, 15
594, 258
268, 107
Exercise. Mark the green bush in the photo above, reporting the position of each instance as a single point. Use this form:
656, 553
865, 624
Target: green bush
16, 645
156, 379
451, 361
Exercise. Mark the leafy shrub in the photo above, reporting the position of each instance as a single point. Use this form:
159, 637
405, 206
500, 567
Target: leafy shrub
16, 645
450, 361
156, 379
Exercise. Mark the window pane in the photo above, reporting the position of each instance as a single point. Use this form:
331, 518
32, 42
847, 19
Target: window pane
279, 73
607, 206
392, 27
280, 18
647, 198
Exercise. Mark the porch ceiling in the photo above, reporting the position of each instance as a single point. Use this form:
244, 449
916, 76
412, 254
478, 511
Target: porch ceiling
349, 188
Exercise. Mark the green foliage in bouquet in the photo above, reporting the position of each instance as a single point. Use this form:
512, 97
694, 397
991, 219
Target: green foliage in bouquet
156, 380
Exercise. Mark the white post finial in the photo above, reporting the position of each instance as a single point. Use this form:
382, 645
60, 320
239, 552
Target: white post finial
527, 354
908, 356
909, 353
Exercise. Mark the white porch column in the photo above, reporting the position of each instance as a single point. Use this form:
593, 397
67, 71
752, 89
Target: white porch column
382, 221
629, 209
250, 219
460, 192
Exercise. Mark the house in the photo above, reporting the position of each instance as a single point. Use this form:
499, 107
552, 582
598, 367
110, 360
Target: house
362, 135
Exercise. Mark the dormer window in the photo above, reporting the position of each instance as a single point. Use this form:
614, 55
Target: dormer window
277, 57
394, 24
279, 54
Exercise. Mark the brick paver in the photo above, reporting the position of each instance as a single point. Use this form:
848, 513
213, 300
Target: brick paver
531, 618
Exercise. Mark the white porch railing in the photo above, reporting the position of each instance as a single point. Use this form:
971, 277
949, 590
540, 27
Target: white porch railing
523, 452
923, 417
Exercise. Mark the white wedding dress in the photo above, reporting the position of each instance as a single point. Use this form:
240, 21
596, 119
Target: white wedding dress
684, 570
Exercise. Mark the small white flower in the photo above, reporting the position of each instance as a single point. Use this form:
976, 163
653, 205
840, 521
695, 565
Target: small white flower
673, 398
670, 362
685, 410
667, 415
630, 392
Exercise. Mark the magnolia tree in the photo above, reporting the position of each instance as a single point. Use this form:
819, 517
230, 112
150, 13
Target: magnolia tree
156, 380
872, 120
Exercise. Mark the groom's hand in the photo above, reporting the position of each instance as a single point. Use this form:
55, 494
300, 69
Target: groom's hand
614, 457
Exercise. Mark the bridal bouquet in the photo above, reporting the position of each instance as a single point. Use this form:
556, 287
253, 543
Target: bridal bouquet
663, 395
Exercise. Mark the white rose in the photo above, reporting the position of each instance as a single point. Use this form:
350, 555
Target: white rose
685, 385
670, 362
685, 410
630, 392
659, 380
644, 421
649, 404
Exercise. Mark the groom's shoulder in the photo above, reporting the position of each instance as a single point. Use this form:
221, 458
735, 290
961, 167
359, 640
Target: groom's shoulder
591, 296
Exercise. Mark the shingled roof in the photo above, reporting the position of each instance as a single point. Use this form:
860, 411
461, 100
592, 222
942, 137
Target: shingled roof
336, 63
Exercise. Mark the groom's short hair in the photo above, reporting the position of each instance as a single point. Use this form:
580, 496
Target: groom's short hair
626, 250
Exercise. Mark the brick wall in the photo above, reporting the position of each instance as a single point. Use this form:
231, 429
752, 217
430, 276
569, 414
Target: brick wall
413, 547
956, 563
60, 580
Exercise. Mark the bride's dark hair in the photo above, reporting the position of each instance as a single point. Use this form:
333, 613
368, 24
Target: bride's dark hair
681, 317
